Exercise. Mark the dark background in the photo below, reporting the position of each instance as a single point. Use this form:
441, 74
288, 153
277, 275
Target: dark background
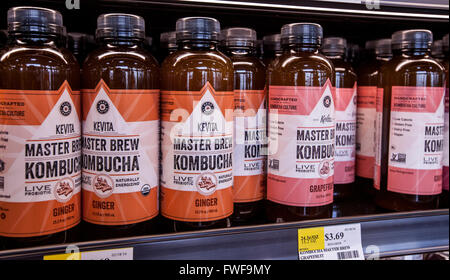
161, 16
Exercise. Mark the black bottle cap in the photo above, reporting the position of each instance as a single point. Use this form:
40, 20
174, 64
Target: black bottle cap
383, 47
168, 40
272, 42
238, 37
77, 41
370, 45
445, 43
198, 28
334, 45
34, 20
302, 33
437, 50
412, 39
120, 26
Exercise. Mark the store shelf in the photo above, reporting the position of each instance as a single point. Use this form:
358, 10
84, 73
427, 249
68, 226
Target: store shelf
392, 234
348, 18
400, 9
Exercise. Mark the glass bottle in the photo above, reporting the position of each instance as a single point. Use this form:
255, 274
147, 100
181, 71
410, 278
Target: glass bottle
301, 128
197, 99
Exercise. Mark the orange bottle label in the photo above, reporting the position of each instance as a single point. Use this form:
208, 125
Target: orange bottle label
250, 145
197, 154
120, 155
40, 163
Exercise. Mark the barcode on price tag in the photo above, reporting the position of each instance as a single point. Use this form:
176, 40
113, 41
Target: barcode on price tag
348, 255
110, 254
342, 242
113, 254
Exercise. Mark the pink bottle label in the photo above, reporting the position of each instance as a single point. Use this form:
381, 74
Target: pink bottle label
344, 159
378, 137
365, 131
301, 145
445, 177
416, 141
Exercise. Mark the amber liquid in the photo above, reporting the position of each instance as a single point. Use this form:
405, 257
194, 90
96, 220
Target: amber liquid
407, 68
164, 52
127, 66
249, 74
270, 56
189, 69
368, 76
345, 78
299, 66
38, 63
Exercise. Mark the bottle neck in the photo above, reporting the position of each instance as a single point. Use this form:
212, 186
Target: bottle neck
370, 56
273, 53
198, 45
412, 52
297, 48
384, 57
35, 39
335, 55
232, 51
121, 42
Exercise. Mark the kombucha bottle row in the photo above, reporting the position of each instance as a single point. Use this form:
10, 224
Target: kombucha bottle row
213, 135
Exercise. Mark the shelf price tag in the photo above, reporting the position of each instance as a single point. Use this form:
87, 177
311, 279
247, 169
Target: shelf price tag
111, 254
340, 242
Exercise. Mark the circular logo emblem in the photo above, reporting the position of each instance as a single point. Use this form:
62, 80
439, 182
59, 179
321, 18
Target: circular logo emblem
63, 189
207, 108
327, 101
145, 190
102, 107
206, 183
103, 185
65, 109
325, 169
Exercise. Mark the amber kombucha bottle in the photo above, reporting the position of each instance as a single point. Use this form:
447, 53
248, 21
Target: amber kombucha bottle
378, 52
437, 51
444, 200
260, 49
345, 106
40, 187
197, 103
120, 90
80, 45
271, 47
353, 54
167, 44
249, 154
301, 128
410, 125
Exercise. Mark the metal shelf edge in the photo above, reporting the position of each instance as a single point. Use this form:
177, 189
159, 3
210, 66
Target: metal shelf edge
386, 235
414, 12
